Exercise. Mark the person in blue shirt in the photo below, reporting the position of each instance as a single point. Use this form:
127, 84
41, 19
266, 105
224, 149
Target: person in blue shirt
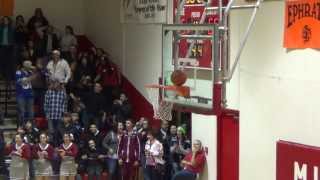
24, 92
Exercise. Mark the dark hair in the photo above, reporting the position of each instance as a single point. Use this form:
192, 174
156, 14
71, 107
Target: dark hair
152, 132
6, 17
20, 16
70, 28
38, 10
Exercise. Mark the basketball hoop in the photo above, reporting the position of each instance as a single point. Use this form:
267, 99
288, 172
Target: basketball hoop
163, 109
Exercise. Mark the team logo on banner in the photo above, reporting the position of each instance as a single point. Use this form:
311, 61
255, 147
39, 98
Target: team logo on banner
302, 24
143, 11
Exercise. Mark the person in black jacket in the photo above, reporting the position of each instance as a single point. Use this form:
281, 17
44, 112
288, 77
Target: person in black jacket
67, 127
93, 157
122, 108
37, 18
95, 134
2, 148
94, 104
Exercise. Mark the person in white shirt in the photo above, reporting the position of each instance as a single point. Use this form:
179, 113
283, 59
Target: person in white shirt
154, 157
68, 40
58, 68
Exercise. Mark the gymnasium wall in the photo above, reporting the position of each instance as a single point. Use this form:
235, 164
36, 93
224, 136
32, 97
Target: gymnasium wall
103, 27
279, 94
58, 12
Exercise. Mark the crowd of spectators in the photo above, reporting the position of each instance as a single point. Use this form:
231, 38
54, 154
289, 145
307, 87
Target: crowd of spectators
73, 117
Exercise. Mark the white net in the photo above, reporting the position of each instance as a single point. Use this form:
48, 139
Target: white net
161, 109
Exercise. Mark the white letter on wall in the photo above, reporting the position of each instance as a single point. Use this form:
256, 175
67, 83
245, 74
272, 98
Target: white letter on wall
300, 174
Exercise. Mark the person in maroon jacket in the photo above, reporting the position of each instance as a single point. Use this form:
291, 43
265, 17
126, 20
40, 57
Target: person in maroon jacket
20, 154
129, 152
68, 152
43, 154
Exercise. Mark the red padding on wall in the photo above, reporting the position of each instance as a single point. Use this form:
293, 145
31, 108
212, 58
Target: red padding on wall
289, 154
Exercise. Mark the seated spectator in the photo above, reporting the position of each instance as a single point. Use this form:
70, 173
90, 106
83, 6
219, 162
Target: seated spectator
93, 156
179, 147
122, 108
67, 40
20, 155
31, 134
24, 92
193, 163
58, 68
68, 152
37, 18
110, 144
43, 155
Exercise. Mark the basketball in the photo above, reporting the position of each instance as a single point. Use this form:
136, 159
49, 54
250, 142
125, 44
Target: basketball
178, 77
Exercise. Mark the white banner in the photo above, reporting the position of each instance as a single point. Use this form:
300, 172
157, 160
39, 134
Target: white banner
143, 11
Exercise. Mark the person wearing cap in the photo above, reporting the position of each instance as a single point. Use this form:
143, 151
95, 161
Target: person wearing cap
24, 92
59, 68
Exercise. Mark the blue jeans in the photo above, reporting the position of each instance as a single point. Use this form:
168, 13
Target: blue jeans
184, 175
94, 171
25, 109
112, 167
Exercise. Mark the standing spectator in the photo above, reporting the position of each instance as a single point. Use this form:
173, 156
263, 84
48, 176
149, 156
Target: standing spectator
93, 155
110, 143
31, 133
39, 86
179, 149
21, 32
40, 43
94, 105
31, 50
37, 20
2, 150
24, 92
43, 155
67, 40
154, 158
121, 108
55, 104
109, 76
72, 56
52, 40
6, 48
193, 163
68, 152
95, 135
59, 68
129, 152
67, 127
20, 154
143, 139
163, 137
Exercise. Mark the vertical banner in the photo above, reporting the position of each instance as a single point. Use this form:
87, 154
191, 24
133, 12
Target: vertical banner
6, 7
143, 11
297, 161
302, 24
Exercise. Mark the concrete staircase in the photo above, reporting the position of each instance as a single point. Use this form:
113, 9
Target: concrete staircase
8, 109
